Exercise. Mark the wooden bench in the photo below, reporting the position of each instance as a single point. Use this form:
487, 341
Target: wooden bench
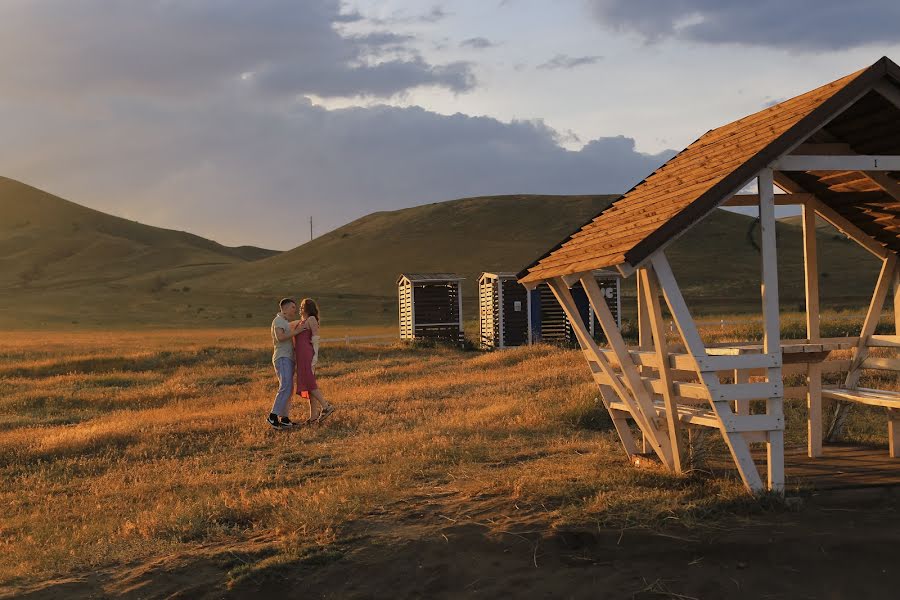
887, 399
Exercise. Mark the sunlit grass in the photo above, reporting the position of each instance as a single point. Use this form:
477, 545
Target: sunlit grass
120, 447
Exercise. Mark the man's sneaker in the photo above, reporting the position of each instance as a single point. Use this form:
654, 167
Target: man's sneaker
285, 422
272, 420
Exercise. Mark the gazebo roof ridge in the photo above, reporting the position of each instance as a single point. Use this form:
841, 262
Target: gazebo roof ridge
707, 173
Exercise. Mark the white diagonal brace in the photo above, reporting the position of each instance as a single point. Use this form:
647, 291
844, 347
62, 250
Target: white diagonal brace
650, 288
642, 418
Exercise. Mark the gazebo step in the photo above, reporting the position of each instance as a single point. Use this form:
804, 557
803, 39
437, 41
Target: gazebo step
689, 415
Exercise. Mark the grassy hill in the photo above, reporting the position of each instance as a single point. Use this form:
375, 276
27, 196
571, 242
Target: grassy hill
60, 261
717, 263
465, 236
47, 242
63, 264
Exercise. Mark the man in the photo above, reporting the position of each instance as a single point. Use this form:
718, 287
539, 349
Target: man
284, 328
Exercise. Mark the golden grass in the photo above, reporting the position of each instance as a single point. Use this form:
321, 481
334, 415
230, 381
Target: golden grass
122, 447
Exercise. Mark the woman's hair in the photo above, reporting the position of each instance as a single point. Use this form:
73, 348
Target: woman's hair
312, 309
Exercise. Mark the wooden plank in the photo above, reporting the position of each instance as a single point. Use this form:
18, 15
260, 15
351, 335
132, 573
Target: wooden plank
811, 273
780, 200
884, 341
853, 162
881, 363
748, 391
651, 295
864, 396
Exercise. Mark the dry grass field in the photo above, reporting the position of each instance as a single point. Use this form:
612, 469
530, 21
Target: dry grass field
138, 464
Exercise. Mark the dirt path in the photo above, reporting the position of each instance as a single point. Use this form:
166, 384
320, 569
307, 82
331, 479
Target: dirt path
839, 545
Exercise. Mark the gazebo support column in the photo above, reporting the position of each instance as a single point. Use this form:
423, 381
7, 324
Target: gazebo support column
645, 339
814, 369
771, 323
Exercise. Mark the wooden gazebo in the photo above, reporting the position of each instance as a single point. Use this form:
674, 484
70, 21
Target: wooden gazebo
430, 306
835, 152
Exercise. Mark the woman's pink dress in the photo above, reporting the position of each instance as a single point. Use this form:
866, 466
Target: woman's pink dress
303, 351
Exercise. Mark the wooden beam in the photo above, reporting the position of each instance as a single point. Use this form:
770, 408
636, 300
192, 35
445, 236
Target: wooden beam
780, 199
856, 234
630, 373
736, 442
811, 273
771, 324
646, 420
852, 162
651, 293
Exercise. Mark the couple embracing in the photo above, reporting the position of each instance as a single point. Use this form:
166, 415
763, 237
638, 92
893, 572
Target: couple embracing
296, 353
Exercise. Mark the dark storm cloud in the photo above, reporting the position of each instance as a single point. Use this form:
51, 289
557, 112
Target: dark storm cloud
805, 25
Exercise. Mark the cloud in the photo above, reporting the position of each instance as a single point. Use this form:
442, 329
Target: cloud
247, 174
195, 115
286, 47
478, 43
563, 61
802, 25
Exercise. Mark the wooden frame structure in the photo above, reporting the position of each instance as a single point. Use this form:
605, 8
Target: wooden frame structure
835, 151
511, 315
430, 306
550, 323
504, 311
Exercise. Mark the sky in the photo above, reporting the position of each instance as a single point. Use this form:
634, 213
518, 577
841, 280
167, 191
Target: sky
240, 121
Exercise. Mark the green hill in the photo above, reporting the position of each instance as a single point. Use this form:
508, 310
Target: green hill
61, 263
465, 236
717, 263
47, 243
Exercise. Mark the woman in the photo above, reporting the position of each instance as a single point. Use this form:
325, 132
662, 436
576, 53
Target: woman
306, 351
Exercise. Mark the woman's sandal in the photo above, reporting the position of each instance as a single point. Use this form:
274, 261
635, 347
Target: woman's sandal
325, 413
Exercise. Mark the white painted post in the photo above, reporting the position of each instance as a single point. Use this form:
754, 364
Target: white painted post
814, 370
771, 323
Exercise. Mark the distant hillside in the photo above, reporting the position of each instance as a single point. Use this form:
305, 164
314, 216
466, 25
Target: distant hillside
48, 243
61, 263
717, 262
467, 236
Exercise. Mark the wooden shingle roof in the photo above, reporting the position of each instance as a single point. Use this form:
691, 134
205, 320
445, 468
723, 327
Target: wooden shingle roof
716, 166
